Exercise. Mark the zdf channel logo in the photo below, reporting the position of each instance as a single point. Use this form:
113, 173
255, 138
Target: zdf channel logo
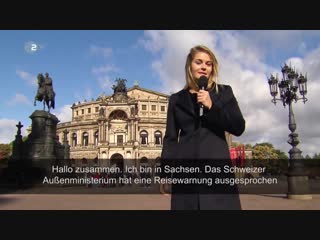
31, 47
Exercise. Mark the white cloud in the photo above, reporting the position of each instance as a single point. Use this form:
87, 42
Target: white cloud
100, 51
78, 97
104, 69
235, 47
64, 113
8, 130
280, 39
241, 56
102, 75
88, 93
19, 99
295, 63
173, 47
302, 48
85, 95
105, 83
28, 77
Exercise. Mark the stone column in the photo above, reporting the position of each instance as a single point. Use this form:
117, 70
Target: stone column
129, 130
91, 137
107, 131
152, 140
79, 137
99, 131
66, 144
132, 131
102, 134
136, 131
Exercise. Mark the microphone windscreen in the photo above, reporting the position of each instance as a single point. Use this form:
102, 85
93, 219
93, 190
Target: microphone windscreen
203, 82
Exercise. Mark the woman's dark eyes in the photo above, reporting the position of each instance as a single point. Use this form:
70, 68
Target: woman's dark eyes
208, 63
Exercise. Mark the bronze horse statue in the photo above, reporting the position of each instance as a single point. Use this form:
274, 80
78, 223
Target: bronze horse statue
45, 92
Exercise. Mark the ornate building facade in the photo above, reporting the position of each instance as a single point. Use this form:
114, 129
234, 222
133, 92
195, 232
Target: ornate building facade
125, 128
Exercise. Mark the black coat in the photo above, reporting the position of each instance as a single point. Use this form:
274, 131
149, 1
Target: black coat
189, 137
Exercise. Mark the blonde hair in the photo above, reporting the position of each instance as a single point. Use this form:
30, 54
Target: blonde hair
213, 78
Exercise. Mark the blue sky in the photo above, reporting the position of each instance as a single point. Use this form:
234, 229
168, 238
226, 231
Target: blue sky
83, 64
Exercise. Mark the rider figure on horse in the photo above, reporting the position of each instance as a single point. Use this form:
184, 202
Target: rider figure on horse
45, 91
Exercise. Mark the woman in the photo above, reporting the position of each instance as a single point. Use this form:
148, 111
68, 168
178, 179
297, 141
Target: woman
193, 139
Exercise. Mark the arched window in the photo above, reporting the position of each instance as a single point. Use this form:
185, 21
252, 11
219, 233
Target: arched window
144, 137
158, 137
145, 167
85, 139
74, 139
118, 114
157, 166
96, 161
96, 135
72, 162
84, 161
158, 161
144, 162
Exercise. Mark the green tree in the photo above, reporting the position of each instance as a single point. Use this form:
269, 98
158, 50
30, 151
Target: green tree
307, 157
5, 152
274, 160
312, 162
316, 156
281, 155
283, 160
248, 146
235, 144
265, 144
264, 152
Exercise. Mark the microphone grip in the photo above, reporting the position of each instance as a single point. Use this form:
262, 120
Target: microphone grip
201, 106
201, 110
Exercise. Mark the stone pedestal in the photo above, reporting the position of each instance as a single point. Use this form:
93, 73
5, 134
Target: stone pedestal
42, 140
298, 188
33, 159
120, 97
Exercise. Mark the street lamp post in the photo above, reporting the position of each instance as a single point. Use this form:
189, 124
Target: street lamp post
298, 185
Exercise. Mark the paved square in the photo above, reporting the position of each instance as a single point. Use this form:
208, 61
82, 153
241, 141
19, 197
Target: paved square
138, 202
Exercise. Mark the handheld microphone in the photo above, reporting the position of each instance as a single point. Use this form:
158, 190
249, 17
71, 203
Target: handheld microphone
202, 84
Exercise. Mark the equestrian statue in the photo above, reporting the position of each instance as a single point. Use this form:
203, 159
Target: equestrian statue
45, 91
